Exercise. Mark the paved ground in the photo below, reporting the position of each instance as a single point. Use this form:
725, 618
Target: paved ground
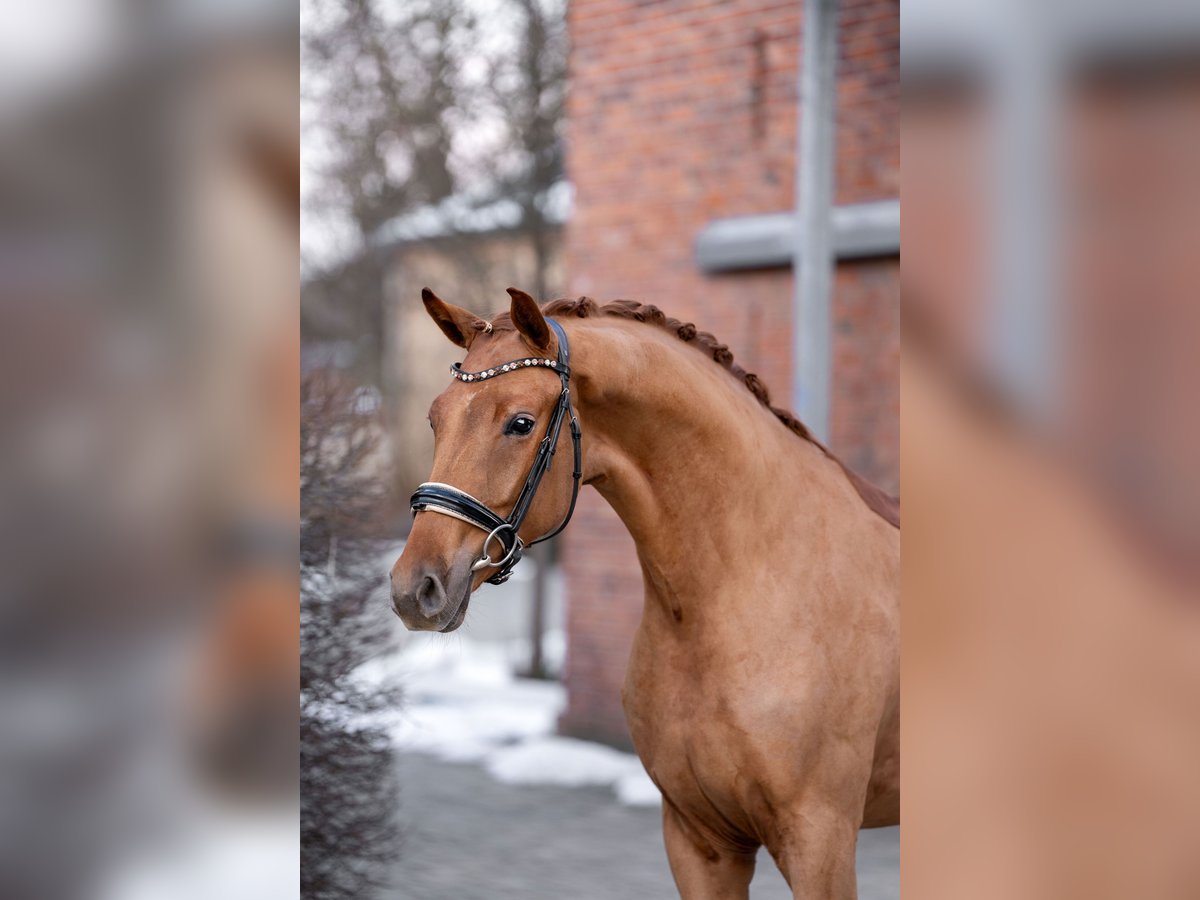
468, 837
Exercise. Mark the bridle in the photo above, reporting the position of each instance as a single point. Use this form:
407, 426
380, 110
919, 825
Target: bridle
450, 501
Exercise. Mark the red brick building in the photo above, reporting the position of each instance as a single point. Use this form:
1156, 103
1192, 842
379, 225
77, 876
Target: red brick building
683, 112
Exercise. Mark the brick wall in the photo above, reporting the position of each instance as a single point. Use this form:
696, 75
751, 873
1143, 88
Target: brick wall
680, 112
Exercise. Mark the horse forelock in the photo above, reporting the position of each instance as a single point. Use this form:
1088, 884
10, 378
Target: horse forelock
879, 501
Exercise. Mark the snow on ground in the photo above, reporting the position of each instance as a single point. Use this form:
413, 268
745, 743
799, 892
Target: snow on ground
231, 854
463, 704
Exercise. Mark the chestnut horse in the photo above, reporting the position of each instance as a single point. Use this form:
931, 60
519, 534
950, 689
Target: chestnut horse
762, 692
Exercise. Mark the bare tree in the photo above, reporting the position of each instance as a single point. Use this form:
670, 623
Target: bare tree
530, 88
387, 87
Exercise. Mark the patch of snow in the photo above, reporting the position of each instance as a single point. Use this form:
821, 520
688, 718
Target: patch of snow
636, 789
234, 855
560, 760
472, 732
465, 214
462, 703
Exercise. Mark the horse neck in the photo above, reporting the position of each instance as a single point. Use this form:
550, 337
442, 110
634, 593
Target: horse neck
705, 478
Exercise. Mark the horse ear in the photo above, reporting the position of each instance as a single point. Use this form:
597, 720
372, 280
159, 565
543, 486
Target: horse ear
528, 319
458, 324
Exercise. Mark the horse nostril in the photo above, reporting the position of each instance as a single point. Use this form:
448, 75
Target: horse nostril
431, 596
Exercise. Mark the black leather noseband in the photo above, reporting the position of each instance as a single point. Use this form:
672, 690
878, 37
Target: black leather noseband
450, 501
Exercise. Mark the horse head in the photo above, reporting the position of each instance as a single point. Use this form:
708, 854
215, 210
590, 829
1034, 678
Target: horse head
494, 440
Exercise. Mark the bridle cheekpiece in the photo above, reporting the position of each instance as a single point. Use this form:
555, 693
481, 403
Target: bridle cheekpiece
450, 501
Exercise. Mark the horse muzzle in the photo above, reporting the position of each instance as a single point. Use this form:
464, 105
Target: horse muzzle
431, 601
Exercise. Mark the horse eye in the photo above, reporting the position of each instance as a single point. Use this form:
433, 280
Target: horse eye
519, 425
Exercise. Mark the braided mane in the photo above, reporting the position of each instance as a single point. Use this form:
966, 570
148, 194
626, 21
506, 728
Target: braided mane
882, 503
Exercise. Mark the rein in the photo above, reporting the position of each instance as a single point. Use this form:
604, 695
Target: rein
450, 501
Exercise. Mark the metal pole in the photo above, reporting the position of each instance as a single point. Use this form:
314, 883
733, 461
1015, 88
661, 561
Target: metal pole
537, 609
813, 262
1022, 314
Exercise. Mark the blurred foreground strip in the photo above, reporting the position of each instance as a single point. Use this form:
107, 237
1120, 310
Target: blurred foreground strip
149, 461
1051, 677
1050, 447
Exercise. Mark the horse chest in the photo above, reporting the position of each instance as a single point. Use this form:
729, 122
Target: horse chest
696, 745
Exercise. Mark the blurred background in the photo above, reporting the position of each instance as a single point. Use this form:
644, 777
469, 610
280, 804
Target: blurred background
1051, 657
599, 147
148, 459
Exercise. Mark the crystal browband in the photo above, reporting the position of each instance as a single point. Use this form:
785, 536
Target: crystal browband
457, 371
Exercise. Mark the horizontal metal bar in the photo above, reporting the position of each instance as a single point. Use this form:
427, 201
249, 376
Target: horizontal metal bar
754, 242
